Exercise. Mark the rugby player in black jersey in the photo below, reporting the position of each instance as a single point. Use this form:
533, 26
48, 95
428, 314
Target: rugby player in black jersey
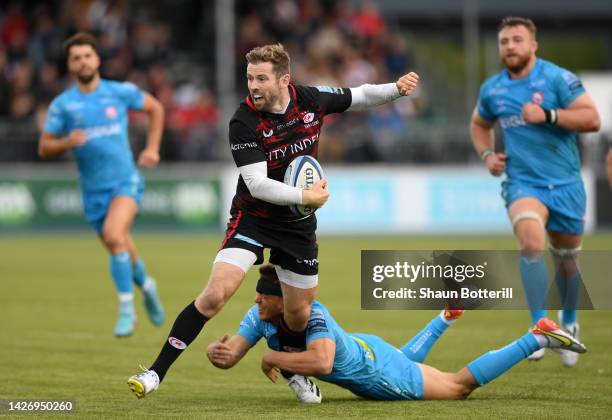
276, 123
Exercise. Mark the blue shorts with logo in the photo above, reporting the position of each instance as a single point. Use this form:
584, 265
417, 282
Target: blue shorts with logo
399, 377
96, 203
566, 204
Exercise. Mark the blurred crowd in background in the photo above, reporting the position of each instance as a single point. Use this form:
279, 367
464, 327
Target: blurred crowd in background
331, 43
167, 48
339, 44
134, 45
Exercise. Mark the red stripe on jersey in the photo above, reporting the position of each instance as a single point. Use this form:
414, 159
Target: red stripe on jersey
294, 92
233, 227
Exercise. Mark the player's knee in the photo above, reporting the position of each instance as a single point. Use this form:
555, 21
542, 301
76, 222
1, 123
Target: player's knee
566, 259
463, 391
115, 241
532, 246
211, 301
213, 298
529, 228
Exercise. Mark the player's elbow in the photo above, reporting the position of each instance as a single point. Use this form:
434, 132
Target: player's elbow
42, 151
324, 365
255, 192
158, 109
153, 106
595, 124
253, 184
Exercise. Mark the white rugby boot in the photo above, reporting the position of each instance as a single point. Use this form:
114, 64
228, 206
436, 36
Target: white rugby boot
306, 390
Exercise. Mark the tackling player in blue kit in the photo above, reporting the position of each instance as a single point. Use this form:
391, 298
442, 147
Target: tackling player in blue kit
540, 108
91, 119
365, 364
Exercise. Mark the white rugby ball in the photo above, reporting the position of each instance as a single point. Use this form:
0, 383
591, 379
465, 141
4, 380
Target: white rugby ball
303, 173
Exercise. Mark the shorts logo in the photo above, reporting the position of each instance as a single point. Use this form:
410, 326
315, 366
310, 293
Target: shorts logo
308, 117
267, 134
176, 343
111, 112
313, 262
538, 98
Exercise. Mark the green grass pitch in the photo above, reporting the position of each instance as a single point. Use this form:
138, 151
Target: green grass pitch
58, 308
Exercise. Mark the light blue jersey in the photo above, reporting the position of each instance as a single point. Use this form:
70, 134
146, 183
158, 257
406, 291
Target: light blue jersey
539, 155
364, 364
105, 160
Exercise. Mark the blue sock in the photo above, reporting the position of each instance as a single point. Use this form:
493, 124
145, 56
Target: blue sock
569, 289
420, 345
121, 271
535, 283
140, 273
495, 363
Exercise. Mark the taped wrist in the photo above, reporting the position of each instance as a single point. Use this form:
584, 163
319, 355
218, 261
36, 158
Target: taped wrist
551, 116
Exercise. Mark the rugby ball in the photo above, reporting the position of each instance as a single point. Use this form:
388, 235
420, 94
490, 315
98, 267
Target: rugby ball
303, 173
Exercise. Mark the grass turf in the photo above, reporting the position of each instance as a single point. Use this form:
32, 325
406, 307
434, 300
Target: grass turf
58, 307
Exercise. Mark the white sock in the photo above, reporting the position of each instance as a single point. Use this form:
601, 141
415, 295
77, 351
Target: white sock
569, 327
542, 340
126, 297
446, 321
147, 285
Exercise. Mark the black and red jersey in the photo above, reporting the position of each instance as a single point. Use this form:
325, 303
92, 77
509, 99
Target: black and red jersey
279, 138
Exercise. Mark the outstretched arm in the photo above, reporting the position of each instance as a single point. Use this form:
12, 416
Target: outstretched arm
367, 96
226, 352
149, 157
317, 359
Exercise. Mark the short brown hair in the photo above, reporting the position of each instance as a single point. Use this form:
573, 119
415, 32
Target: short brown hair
80, 38
272, 53
517, 21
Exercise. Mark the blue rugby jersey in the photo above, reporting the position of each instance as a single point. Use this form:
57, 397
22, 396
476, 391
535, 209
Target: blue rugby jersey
538, 154
363, 364
105, 160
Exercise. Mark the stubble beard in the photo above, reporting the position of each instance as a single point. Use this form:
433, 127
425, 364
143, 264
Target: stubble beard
86, 79
520, 65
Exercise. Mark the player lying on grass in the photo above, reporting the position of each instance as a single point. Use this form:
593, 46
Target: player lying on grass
367, 365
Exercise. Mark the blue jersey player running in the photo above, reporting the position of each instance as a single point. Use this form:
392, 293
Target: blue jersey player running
540, 108
365, 364
91, 119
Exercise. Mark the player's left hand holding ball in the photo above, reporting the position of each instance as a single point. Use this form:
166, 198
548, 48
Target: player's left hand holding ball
148, 158
407, 83
533, 114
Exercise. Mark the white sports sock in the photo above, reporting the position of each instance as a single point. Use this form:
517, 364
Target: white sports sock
542, 340
147, 285
570, 327
126, 297
446, 321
